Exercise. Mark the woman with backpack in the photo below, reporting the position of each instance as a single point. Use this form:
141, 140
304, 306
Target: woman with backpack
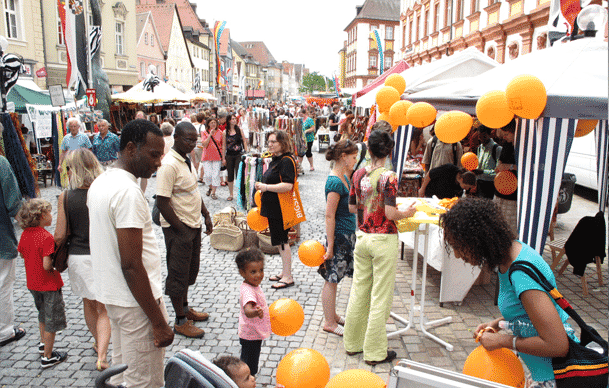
233, 146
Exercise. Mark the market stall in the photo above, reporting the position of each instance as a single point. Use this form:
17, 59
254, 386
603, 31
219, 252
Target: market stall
575, 78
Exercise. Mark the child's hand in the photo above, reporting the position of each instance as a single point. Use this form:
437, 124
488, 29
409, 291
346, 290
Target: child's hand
259, 312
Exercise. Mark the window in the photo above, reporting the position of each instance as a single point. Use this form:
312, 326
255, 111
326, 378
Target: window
373, 61
143, 69
59, 32
388, 62
389, 33
448, 6
475, 6
152, 40
436, 24
145, 38
418, 28
426, 23
411, 34
119, 34
11, 8
460, 5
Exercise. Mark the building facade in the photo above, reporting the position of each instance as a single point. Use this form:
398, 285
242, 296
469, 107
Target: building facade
149, 49
362, 52
118, 51
503, 29
22, 27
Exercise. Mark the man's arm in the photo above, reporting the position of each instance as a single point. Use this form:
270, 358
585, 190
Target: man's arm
130, 249
163, 203
10, 188
207, 218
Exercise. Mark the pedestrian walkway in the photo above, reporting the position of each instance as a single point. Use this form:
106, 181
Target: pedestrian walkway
217, 292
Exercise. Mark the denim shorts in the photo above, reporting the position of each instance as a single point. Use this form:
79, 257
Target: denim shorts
341, 264
51, 310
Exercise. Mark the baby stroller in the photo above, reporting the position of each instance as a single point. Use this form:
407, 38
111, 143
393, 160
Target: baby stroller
186, 369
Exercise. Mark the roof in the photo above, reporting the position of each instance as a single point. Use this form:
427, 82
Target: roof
188, 16
260, 52
141, 19
140, 22
240, 51
388, 10
163, 20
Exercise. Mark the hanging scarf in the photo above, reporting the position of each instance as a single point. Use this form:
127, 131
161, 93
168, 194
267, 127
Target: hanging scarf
17, 158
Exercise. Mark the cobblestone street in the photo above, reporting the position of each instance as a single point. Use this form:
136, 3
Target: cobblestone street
217, 292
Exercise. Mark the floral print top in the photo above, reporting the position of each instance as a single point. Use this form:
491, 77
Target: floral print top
371, 190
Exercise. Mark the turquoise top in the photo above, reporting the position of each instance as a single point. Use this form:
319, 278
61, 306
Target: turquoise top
511, 307
345, 220
309, 122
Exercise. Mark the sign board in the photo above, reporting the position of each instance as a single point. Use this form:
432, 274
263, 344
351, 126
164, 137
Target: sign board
56, 92
41, 73
91, 99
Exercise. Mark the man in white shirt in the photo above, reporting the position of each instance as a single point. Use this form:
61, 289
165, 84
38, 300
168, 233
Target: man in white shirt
126, 259
181, 207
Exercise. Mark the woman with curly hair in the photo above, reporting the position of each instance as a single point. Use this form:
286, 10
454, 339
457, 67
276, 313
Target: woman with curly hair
479, 235
373, 196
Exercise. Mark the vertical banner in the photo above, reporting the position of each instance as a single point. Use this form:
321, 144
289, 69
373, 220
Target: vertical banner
71, 14
218, 30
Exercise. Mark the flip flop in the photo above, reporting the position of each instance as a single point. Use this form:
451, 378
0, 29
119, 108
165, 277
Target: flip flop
208, 192
339, 331
229, 199
280, 285
19, 333
214, 196
275, 278
341, 321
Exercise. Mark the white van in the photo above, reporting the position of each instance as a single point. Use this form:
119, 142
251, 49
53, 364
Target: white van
582, 161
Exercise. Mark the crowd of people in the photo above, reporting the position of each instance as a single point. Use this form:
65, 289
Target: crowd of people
116, 267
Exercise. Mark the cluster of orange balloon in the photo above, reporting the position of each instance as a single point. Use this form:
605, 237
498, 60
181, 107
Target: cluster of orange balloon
469, 161
584, 127
303, 368
311, 253
287, 317
453, 126
500, 366
525, 96
256, 221
356, 378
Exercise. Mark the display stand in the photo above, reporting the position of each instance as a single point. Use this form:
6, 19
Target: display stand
423, 323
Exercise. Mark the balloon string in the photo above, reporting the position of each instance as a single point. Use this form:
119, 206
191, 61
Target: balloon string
483, 331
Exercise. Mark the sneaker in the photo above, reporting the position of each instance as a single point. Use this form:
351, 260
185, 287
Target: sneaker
391, 355
56, 358
189, 330
40, 348
196, 316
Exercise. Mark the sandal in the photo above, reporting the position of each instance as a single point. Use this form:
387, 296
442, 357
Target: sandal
339, 331
102, 365
275, 278
19, 333
280, 285
341, 321
208, 191
214, 196
229, 199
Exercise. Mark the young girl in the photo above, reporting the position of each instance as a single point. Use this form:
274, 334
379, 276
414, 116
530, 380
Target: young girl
254, 321
340, 231
36, 246
238, 371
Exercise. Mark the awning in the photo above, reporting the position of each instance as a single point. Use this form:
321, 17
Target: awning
397, 68
21, 96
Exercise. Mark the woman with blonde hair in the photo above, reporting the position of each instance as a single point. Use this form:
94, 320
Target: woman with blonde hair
82, 167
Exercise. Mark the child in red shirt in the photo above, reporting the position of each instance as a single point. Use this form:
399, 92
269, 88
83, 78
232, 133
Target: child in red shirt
44, 282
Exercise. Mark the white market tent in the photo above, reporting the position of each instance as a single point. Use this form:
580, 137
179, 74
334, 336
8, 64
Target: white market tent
202, 97
162, 93
575, 77
461, 65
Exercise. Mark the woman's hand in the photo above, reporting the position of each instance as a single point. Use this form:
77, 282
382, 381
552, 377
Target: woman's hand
492, 341
494, 324
329, 254
223, 162
260, 186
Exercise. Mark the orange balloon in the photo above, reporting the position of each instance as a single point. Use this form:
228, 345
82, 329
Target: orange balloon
356, 378
421, 114
287, 317
500, 366
386, 97
256, 221
584, 127
398, 112
453, 126
526, 96
311, 253
506, 182
385, 116
469, 161
258, 198
303, 368
492, 109
396, 81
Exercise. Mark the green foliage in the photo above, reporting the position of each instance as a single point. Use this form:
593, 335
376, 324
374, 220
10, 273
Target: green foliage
314, 82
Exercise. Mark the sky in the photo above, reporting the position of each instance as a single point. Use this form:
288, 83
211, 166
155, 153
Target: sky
309, 32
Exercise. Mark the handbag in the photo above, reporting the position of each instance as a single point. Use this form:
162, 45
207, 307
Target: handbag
60, 255
226, 236
250, 237
292, 211
222, 168
581, 367
264, 243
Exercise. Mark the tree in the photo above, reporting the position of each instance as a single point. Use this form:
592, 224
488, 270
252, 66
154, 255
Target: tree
313, 82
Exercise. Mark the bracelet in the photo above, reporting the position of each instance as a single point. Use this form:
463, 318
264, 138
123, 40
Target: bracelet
514, 343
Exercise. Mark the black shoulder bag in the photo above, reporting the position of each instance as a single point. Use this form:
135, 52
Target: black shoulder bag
581, 367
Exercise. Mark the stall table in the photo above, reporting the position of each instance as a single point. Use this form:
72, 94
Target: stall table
323, 137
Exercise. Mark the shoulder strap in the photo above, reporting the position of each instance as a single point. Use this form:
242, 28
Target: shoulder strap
455, 154
535, 274
295, 171
216, 144
494, 152
65, 210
